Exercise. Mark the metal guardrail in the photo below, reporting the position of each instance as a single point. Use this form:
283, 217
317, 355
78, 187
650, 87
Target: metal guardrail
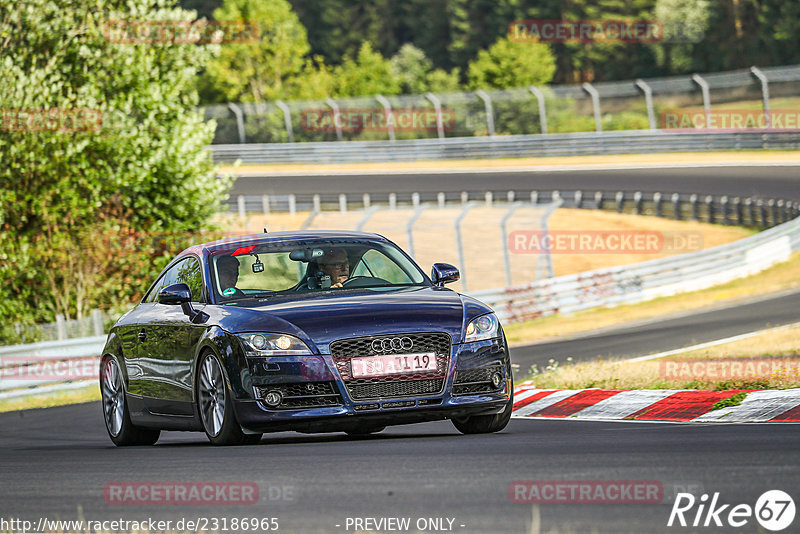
564, 294
510, 146
662, 277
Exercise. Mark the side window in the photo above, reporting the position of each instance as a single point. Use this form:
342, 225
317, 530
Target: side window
187, 272
373, 263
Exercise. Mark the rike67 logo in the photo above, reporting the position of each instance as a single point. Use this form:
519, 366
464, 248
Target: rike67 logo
774, 511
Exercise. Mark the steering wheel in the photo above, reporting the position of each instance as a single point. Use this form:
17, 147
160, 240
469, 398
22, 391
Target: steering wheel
355, 281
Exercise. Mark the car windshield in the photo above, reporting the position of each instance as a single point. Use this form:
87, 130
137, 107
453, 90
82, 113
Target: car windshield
267, 269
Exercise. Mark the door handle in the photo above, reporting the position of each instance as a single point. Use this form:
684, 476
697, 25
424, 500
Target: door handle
142, 336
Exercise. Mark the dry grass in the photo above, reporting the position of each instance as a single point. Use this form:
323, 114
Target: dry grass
785, 275
46, 400
772, 344
434, 237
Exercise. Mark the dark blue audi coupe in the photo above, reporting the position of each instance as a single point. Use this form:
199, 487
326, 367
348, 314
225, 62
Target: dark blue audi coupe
311, 332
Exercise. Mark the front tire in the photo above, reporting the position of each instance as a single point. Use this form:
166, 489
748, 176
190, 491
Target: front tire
486, 424
214, 401
115, 410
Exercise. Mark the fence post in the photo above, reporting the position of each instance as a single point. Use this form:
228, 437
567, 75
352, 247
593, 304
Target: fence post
237, 111
487, 103
751, 210
762, 213
241, 206
410, 228
489, 198
648, 99
637, 200
97, 322
710, 206
392, 201
546, 260
437, 106
534, 197
510, 196
773, 211
61, 327
764, 94
598, 200
696, 78
737, 206
342, 203
287, 119
723, 202
598, 121
337, 121
367, 216
693, 202
620, 199
387, 110
415, 199
265, 204
555, 196
464, 197
504, 237
292, 204
459, 244
676, 206
657, 202
781, 211
317, 203
440, 200
542, 109
578, 199
366, 199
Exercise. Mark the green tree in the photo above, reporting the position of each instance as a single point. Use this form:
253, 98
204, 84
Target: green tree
417, 75
512, 64
135, 163
368, 74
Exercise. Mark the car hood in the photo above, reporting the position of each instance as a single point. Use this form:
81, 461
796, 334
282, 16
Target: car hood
324, 317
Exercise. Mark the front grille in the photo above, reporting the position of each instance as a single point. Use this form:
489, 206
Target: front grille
400, 385
303, 394
468, 381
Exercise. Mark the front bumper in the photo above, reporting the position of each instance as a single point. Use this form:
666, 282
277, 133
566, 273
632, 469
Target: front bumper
348, 413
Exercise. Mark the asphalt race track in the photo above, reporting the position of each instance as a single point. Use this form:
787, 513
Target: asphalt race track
758, 180
57, 461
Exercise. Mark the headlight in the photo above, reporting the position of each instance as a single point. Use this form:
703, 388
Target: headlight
484, 327
272, 345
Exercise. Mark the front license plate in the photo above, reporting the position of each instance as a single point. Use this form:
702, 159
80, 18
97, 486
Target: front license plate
393, 364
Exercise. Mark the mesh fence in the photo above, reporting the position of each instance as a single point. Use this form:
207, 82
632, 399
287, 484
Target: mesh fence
567, 108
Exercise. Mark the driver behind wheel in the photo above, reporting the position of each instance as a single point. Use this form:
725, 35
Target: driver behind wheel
335, 264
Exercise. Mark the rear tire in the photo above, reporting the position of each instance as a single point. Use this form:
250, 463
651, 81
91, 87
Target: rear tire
215, 404
486, 424
115, 409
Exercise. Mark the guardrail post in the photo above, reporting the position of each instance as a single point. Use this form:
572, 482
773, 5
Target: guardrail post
287, 119
437, 106
542, 108
415, 199
676, 206
620, 199
773, 211
366, 199
440, 199
510, 196
410, 228
459, 244
764, 94
657, 202
241, 205
598, 121
781, 211
489, 198
61, 327
723, 202
392, 201
710, 207
464, 197
555, 196
598, 200
534, 197
265, 204
751, 210
487, 104
292, 204
97, 322
317, 203
578, 199
387, 111
337, 120
762, 213
504, 237
693, 203
237, 111
637, 200
342, 203
648, 100
696, 78
737, 206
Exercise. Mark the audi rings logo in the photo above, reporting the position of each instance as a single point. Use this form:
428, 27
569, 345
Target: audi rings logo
392, 344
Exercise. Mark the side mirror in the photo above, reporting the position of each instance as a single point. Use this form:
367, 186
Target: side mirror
181, 294
444, 273
175, 294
